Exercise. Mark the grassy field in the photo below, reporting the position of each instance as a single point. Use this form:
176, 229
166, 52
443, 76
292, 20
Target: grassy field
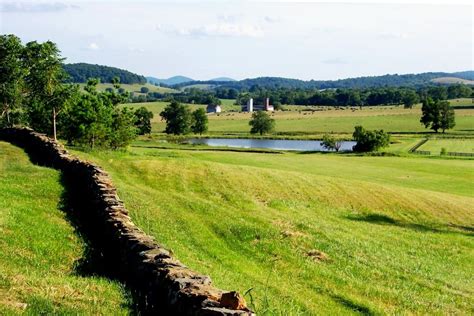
303, 122
39, 249
311, 233
135, 88
452, 145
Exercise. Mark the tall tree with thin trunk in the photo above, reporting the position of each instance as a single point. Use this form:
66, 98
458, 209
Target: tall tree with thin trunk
47, 92
11, 77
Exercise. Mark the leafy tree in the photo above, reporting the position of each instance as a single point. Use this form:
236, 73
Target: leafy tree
447, 118
369, 140
177, 117
94, 120
331, 143
46, 90
143, 120
261, 123
122, 127
409, 99
144, 89
88, 121
199, 121
431, 116
11, 78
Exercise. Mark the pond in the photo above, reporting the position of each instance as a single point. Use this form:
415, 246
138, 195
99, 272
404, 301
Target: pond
278, 144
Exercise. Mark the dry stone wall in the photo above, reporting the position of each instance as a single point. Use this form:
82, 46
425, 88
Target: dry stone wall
163, 284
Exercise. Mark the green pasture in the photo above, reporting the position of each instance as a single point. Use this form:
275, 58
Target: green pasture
304, 121
40, 253
459, 145
305, 234
135, 88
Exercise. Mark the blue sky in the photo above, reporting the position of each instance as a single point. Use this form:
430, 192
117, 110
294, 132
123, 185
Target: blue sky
243, 39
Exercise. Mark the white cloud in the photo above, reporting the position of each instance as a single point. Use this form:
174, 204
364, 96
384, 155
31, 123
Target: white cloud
37, 7
391, 35
230, 18
335, 61
93, 46
272, 19
223, 30
136, 50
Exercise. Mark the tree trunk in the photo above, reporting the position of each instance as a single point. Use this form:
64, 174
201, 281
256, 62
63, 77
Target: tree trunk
54, 124
8, 118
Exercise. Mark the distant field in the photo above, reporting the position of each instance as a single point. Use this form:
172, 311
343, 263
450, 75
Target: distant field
301, 121
40, 253
464, 102
452, 80
307, 234
199, 86
135, 88
452, 145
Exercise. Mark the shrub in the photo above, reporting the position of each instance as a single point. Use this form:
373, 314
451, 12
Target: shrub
331, 143
369, 140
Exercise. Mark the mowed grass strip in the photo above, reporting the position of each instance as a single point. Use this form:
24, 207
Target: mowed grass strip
311, 234
449, 144
39, 249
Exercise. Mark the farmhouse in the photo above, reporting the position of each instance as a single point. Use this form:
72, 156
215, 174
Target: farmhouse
250, 107
212, 108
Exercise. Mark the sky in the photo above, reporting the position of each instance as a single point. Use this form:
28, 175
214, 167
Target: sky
246, 39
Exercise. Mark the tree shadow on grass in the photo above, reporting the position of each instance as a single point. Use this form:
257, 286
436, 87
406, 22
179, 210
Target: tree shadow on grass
381, 219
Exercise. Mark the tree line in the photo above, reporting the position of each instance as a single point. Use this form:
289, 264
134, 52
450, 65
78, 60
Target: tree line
332, 97
33, 92
356, 97
394, 80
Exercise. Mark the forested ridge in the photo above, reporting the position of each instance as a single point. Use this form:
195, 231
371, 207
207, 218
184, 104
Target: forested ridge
394, 80
81, 72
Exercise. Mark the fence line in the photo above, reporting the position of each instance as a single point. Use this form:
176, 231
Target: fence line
450, 153
418, 145
422, 152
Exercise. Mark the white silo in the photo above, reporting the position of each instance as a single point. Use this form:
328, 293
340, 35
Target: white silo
250, 105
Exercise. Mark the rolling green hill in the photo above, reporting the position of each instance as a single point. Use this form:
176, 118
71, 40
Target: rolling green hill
311, 233
81, 72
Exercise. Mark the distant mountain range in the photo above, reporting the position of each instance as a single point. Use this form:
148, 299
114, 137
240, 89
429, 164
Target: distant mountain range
178, 80
82, 71
170, 81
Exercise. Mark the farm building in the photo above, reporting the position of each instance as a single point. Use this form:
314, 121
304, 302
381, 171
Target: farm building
250, 107
212, 108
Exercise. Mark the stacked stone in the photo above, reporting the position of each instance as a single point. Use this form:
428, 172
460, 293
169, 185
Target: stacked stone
161, 281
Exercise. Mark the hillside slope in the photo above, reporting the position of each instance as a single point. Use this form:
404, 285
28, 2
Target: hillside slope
311, 234
42, 263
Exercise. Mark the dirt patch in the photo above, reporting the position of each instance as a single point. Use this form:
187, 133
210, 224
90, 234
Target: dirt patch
317, 255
